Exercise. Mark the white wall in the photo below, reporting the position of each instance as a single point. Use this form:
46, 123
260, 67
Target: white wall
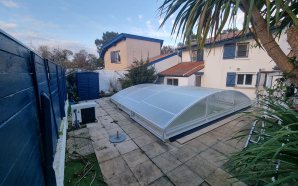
106, 77
182, 81
167, 63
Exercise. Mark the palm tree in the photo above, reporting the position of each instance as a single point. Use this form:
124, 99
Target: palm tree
208, 17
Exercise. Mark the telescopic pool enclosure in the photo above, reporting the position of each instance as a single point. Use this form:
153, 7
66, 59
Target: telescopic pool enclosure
167, 110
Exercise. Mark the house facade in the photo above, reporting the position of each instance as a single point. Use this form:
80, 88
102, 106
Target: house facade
230, 64
121, 51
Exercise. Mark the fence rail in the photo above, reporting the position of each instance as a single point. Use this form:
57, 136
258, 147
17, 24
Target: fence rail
32, 100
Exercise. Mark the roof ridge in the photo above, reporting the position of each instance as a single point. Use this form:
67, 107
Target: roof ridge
192, 69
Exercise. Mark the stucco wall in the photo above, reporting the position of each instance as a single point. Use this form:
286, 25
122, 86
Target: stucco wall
186, 56
122, 46
182, 81
216, 68
167, 63
137, 49
108, 78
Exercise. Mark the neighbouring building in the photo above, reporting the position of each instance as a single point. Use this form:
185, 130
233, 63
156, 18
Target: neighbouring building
121, 51
230, 64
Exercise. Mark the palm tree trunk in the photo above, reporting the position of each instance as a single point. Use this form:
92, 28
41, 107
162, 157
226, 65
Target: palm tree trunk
270, 45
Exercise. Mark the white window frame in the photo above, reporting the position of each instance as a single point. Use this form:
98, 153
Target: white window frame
172, 81
247, 49
116, 56
243, 85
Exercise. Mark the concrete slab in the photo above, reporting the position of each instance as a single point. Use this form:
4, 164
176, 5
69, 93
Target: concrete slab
124, 178
130, 127
113, 131
109, 125
221, 178
106, 154
153, 149
217, 158
183, 153
207, 139
196, 146
135, 133
184, 176
166, 162
146, 172
143, 140
208, 129
224, 148
135, 157
200, 166
162, 181
235, 143
166, 145
113, 167
126, 146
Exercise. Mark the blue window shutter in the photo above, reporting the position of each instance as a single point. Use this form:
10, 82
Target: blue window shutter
113, 57
200, 57
258, 79
229, 51
231, 79
265, 80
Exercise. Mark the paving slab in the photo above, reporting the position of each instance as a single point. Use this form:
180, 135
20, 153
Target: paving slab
124, 178
113, 167
183, 153
124, 122
207, 139
166, 162
184, 176
153, 149
166, 145
135, 157
196, 146
126, 146
221, 178
130, 127
235, 143
106, 154
146, 172
143, 140
162, 181
135, 133
109, 125
113, 131
213, 156
224, 148
200, 166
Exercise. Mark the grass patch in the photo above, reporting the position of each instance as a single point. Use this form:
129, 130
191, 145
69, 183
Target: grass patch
68, 110
74, 171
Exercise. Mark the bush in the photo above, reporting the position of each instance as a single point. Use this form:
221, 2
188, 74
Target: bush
139, 73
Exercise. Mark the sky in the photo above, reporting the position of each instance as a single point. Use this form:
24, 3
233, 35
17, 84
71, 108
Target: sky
75, 24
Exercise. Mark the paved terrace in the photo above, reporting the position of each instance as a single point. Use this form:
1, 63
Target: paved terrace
143, 159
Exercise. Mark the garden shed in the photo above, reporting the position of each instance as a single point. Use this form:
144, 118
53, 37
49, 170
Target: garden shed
88, 85
167, 110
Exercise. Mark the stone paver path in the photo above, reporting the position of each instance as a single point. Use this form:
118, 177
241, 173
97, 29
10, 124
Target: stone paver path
143, 159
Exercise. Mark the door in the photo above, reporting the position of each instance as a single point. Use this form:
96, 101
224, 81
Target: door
198, 81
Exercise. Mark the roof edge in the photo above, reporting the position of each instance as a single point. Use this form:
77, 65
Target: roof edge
123, 36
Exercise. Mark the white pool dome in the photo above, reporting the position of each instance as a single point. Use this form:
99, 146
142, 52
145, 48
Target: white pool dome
167, 110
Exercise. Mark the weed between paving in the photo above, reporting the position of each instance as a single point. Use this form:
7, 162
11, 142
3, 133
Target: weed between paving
74, 171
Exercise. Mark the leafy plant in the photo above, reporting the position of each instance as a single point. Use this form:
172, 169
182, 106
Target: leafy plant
140, 72
278, 145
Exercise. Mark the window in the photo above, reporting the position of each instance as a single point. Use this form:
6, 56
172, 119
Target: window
244, 79
172, 82
118, 59
115, 57
195, 56
242, 50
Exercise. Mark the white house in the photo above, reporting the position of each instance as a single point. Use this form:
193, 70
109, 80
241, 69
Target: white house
230, 64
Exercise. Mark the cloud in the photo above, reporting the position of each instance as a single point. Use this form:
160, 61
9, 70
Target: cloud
141, 17
113, 17
10, 4
240, 16
152, 32
7, 26
160, 21
172, 16
128, 19
38, 23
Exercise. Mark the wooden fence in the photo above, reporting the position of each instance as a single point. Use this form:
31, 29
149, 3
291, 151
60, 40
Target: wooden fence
32, 99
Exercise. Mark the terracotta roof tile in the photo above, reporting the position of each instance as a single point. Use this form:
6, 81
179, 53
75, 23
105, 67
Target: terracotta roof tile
183, 69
